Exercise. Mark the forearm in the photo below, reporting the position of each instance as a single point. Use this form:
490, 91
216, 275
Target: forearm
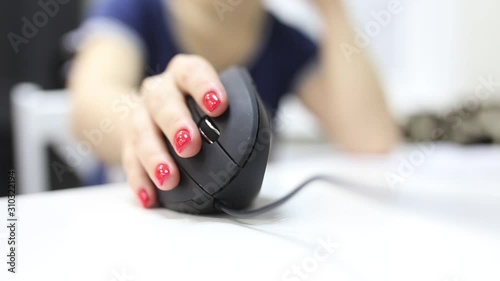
360, 119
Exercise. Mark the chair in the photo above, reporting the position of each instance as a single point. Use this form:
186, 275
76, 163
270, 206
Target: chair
41, 119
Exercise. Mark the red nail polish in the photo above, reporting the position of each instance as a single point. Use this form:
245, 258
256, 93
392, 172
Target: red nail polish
211, 101
144, 197
182, 138
162, 172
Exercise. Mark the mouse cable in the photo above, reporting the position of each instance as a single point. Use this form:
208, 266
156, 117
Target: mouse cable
242, 214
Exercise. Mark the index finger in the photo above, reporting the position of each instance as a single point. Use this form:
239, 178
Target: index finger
197, 77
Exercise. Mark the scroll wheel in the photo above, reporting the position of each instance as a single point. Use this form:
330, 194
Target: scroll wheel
208, 130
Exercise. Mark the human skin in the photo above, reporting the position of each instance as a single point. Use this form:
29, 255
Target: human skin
346, 96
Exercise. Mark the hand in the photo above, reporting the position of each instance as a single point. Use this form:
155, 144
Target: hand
163, 112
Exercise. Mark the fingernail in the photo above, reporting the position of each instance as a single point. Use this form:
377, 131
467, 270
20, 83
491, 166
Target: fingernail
182, 138
162, 172
211, 101
144, 197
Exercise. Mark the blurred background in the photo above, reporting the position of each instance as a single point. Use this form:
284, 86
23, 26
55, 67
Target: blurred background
437, 59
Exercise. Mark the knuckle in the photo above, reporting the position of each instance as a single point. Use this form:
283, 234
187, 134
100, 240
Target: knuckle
152, 84
147, 84
171, 117
155, 91
176, 61
190, 68
195, 64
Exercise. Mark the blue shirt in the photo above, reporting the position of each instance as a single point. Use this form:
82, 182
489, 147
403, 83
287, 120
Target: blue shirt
282, 56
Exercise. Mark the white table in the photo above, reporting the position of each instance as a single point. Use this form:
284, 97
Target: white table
441, 223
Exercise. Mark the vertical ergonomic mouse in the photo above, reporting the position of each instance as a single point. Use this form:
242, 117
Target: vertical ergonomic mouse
230, 167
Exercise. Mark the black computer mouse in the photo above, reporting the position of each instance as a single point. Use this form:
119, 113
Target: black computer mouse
230, 166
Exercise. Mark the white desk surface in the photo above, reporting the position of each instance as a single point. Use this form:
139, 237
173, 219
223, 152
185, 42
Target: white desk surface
442, 223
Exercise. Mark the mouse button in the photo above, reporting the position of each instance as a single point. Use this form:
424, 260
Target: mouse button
239, 124
211, 168
195, 110
185, 191
208, 130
